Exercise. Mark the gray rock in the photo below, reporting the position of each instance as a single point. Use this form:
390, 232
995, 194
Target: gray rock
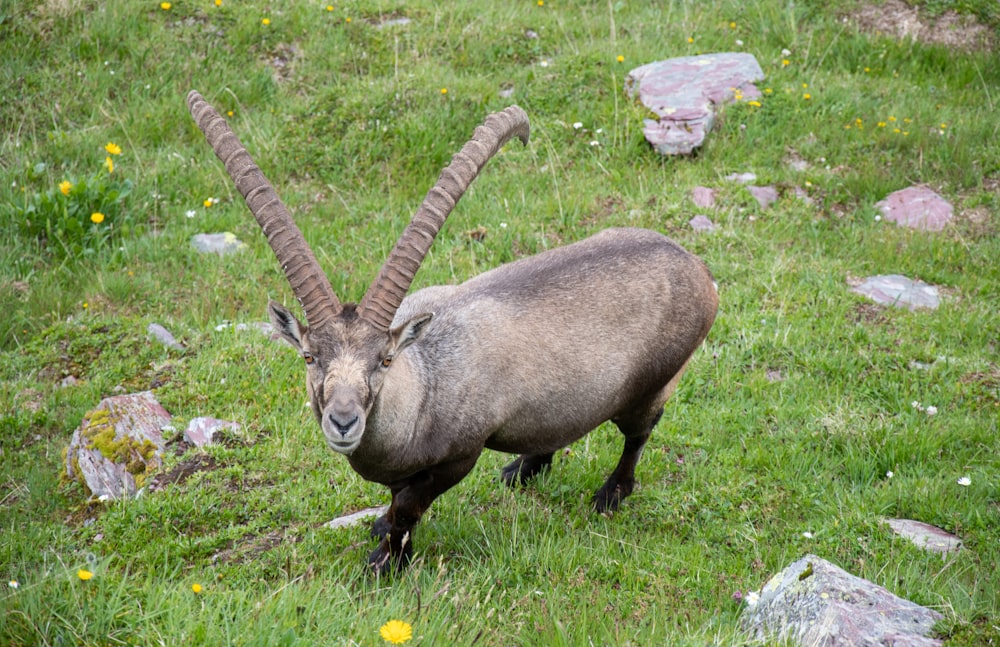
925, 536
917, 207
897, 290
221, 244
117, 445
765, 195
162, 335
813, 602
703, 197
701, 223
356, 518
742, 178
200, 431
684, 93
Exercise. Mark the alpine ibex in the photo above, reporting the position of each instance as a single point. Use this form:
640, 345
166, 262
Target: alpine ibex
525, 358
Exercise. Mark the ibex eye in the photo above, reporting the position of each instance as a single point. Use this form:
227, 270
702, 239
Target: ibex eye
308, 358
387, 361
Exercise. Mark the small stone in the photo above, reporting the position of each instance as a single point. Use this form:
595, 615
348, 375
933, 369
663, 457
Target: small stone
742, 178
221, 244
68, 381
701, 223
765, 195
814, 602
356, 518
200, 431
925, 536
162, 335
703, 197
897, 290
916, 207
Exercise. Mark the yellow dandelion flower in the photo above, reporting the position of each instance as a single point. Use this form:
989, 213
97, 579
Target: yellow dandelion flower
690, 39
398, 632
891, 118
768, 91
444, 90
197, 587
805, 85
867, 69
755, 104
348, 19
732, 25
65, 186
881, 124
83, 573
113, 148
97, 217
943, 126
229, 113
620, 58
165, 6
265, 21
847, 126
807, 96
896, 130
541, 3
785, 62
208, 202
108, 164
218, 3
329, 7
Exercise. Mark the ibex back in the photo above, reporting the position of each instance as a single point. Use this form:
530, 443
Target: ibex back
525, 358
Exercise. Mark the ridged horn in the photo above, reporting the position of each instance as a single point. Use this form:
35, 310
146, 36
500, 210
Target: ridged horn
304, 273
389, 288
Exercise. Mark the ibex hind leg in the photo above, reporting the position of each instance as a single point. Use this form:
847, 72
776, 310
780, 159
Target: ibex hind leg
621, 482
636, 428
524, 468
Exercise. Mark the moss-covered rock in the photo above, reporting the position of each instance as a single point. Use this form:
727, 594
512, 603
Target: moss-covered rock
117, 445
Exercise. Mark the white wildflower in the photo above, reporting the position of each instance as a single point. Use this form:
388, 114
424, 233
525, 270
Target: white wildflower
808, 535
889, 474
13, 584
578, 125
931, 410
965, 481
190, 213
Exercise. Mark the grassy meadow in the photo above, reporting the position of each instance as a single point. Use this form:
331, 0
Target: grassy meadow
804, 421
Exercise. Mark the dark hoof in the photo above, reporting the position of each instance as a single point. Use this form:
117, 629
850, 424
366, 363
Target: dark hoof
610, 496
524, 468
383, 561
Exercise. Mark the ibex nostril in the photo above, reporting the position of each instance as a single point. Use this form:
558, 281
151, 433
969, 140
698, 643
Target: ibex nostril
343, 426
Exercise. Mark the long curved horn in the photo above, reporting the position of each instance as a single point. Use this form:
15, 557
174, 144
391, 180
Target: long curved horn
388, 289
304, 273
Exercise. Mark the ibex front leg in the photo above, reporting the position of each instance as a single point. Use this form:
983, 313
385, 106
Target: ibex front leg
409, 502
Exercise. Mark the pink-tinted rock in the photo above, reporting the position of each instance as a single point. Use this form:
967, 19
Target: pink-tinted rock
701, 223
117, 445
200, 431
765, 195
684, 93
897, 290
703, 197
925, 535
917, 207
814, 602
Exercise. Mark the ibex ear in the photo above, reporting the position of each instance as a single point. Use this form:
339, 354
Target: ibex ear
409, 332
285, 324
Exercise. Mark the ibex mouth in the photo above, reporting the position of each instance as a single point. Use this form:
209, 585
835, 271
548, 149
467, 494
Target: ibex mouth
345, 447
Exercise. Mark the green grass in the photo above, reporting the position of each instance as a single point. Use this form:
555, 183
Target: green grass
350, 123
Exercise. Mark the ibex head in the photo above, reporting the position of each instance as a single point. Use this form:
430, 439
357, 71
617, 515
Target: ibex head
347, 348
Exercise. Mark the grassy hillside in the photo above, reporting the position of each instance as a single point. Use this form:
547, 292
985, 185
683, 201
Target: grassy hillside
794, 430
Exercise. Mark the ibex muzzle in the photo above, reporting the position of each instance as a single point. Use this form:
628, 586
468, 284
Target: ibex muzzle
526, 358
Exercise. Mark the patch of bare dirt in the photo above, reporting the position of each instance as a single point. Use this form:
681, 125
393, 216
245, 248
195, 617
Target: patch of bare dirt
897, 19
250, 547
183, 471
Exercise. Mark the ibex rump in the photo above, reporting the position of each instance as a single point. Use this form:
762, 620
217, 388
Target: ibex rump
525, 358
